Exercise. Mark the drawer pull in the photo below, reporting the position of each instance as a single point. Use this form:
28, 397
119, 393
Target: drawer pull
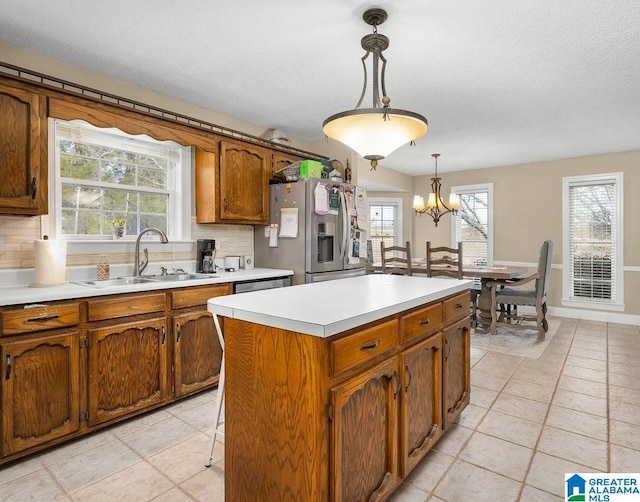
44, 318
370, 346
425, 322
8, 374
458, 306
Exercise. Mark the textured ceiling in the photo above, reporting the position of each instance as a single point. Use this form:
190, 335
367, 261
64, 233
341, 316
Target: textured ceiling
501, 82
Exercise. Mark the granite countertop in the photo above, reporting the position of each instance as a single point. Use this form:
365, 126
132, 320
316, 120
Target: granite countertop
326, 308
23, 293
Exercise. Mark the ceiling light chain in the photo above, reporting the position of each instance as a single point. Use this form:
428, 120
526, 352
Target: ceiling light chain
371, 132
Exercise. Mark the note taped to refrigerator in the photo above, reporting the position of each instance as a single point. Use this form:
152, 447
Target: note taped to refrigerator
321, 198
273, 235
289, 222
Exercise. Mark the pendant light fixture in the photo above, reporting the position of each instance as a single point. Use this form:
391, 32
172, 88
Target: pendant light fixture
375, 132
436, 208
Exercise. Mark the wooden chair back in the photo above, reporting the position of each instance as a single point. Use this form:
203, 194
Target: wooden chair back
444, 261
396, 259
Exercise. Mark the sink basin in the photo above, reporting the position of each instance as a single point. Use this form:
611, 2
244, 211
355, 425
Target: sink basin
120, 281
181, 277
126, 281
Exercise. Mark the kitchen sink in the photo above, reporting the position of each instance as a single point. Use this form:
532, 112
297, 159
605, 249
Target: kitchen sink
181, 277
120, 281
143, 279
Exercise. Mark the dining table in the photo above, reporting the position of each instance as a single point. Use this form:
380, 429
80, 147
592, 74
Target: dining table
484, 273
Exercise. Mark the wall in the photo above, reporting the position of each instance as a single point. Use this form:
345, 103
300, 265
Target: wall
527, 201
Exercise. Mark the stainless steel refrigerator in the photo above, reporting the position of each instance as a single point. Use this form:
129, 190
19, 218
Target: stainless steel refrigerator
317, 228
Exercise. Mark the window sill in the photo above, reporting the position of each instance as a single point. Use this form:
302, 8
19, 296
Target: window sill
593, 305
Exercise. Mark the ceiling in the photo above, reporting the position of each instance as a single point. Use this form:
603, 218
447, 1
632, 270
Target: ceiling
501, 82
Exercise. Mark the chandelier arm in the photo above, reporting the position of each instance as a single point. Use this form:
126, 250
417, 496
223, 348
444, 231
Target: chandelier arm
384, 68
364, 86
376, 83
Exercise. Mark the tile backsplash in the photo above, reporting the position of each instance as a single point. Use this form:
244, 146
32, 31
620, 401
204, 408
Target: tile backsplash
17, 234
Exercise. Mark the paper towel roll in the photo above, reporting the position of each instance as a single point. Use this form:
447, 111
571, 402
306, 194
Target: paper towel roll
50, 262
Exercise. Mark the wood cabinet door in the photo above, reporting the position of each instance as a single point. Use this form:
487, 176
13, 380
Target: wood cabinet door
421, 403
364, 435
456, 370
197, 352
23, 151
280, 160
127, 368
40, 390
244, 183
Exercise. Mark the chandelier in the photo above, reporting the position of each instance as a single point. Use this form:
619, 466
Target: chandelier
436, 208
375, 132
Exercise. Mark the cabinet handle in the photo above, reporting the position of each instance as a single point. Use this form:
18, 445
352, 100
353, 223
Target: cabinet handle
34, 188
44, 318
178, 331
164, 334
398, 385
406, 369
425, 322
448, 351
458, 306
8, 373
370, 346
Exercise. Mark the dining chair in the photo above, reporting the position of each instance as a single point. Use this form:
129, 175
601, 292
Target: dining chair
511, 294
396, 259
444, 261
447, 262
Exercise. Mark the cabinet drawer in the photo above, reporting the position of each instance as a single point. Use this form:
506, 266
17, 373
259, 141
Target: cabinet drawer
365, 345
456, 307
190, 297
419, 322
27, 320
123, 306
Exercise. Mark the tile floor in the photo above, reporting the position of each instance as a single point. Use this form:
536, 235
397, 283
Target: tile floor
575, 409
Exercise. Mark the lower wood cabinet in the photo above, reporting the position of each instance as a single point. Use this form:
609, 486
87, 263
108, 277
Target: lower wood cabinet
344, 418
40, 390
71, 367
197, 352
127, 368
368, 402
421, 397
456, 370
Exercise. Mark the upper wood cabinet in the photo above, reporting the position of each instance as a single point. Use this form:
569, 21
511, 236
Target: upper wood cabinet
232, 186
280, 160
23, 151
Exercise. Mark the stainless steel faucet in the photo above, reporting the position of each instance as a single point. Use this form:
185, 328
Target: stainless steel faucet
139, 266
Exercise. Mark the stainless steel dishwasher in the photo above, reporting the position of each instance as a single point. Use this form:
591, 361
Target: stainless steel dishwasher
259, 284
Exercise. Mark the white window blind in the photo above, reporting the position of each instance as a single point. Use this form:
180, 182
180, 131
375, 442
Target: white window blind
592, 239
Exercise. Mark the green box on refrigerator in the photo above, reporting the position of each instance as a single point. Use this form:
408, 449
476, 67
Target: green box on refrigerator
310, 169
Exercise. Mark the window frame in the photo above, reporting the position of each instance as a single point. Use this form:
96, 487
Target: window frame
616, 303
388, 201
179, 186
480, 187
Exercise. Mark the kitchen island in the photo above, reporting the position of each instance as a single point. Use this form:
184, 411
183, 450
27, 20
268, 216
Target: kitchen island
336, 390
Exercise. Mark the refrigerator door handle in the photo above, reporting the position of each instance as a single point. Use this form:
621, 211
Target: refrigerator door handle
345, 226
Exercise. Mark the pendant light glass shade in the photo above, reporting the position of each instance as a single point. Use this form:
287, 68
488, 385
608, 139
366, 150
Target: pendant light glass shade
375, 132
371, 134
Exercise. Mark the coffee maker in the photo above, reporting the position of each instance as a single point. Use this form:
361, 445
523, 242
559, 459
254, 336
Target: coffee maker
205, 252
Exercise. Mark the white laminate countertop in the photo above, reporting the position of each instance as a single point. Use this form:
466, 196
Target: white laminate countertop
326, 308
22, 293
